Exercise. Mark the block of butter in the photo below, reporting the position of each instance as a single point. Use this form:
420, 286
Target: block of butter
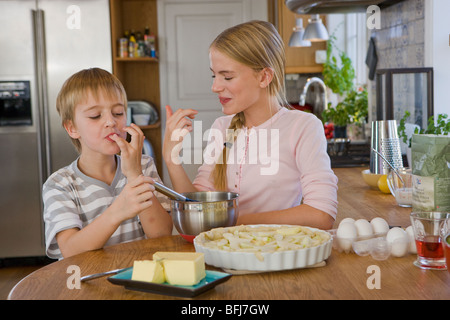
148, 271
182, 268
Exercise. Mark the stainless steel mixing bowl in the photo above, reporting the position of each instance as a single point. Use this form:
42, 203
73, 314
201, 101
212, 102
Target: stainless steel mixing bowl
213, 209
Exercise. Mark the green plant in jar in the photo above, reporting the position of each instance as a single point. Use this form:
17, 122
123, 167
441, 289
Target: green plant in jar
440, 127
353, 109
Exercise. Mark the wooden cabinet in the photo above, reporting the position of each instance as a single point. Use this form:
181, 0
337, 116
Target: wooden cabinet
140, 75
298, 60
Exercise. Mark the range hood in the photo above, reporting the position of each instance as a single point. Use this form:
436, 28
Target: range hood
335, 6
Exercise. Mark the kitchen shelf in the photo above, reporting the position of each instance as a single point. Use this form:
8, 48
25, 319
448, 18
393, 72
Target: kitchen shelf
137, 59
139, 75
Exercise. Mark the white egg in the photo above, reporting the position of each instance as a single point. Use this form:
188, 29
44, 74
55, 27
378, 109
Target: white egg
363, 228
346, 234
412, 240
379, 225
399, 241
346, 230
345, 220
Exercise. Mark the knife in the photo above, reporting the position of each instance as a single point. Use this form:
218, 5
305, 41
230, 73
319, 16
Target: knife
101, 274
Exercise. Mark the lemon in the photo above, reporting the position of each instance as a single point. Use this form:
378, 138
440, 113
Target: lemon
382, 184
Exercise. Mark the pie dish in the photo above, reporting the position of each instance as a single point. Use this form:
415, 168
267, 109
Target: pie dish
259, 260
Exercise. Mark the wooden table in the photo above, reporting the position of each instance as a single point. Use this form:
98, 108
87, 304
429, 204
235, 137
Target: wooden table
345, 276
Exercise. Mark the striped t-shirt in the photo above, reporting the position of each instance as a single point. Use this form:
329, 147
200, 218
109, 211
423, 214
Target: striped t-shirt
73, 200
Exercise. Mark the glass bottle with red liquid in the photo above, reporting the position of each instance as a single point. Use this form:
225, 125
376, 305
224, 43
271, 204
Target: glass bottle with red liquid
429, 229
430, 247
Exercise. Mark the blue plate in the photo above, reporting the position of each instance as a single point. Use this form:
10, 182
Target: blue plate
212, 279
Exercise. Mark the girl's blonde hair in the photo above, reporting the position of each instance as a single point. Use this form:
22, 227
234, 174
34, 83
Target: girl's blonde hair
257, 45
76, 89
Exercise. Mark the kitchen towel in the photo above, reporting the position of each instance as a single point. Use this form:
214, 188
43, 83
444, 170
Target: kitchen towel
372, 58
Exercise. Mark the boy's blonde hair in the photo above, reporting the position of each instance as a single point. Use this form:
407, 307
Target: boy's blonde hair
257, 45
75, 91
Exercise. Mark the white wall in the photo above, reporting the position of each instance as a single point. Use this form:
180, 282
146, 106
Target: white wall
437, 51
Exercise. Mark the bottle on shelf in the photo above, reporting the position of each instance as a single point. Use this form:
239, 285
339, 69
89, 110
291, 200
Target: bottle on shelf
149, 39
134, 44
123, 47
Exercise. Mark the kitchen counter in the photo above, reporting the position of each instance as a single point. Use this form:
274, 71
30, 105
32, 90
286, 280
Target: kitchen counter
345, 276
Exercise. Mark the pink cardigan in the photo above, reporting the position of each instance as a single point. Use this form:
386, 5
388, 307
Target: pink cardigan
274, 165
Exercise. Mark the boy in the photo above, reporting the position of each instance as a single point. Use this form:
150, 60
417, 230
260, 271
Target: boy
101, 198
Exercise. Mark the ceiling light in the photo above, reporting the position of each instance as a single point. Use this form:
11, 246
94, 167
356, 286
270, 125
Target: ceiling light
296, 39
315, 31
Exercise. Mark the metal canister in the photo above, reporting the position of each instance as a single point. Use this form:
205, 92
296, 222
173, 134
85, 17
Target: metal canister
385, 140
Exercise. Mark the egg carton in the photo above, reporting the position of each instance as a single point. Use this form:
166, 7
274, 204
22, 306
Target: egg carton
378, 245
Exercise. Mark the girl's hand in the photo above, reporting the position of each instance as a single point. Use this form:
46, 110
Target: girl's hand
131, 152
135, 197
177, 127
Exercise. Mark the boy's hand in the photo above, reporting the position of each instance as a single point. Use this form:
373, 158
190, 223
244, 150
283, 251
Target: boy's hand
131, 152
135, 197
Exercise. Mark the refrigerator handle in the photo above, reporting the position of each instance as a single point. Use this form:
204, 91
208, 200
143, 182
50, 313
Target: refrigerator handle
42, 94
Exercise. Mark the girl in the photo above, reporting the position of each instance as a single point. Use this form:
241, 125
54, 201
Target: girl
274, 157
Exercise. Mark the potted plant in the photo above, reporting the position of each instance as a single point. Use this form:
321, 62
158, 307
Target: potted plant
440, 127
353, 109
339, 77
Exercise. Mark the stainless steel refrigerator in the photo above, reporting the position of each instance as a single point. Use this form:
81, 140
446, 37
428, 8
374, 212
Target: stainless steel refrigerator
42, 43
